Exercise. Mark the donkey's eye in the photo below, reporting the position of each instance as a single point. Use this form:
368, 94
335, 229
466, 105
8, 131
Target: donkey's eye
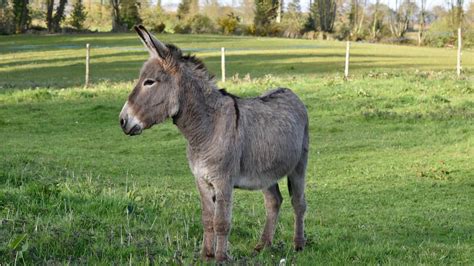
148, 82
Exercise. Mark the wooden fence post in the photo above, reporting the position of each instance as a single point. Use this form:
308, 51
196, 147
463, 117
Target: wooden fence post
223, 63
87, 65
346, 69
458, 67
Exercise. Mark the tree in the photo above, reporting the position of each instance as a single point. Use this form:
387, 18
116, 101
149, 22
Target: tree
78, 15
422, 20
125, 14
6, 18
183, 9
265, 14
377, 21
356, 17
279, 10
117, 24
193, 8
247, 11
323, 15
401, 17
129, 13
53, 21
457, 13
211, 9
21, 15
293, 20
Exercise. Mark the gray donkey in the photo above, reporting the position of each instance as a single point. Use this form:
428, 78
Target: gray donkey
232, 142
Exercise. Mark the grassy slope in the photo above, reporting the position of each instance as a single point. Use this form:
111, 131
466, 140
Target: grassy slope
389, 178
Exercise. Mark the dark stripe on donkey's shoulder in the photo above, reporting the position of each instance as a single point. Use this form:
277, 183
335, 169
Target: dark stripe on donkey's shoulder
236, 106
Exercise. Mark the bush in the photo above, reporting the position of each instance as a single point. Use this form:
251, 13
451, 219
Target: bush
182, 27
229, 23
159, 28
197, 24
201, 24
249, 29
293, 24
440, 34
37, 29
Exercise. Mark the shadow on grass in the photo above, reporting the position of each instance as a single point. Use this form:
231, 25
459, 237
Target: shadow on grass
258, 65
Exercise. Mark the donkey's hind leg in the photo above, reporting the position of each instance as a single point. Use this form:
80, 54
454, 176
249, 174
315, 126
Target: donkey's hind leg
273, 200
296, 185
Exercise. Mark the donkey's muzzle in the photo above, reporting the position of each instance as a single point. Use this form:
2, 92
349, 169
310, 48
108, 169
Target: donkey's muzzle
130, 129
135, 130
129, 123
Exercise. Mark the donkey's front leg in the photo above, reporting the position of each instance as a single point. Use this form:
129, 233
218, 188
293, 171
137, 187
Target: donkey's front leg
222, 218
207, 206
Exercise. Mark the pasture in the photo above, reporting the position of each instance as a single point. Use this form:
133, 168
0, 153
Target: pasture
390, 174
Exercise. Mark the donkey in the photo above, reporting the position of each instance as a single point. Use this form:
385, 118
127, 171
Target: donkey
231, 142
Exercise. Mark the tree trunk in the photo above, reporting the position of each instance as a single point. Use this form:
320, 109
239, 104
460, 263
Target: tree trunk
421, 27
327, 14
279, 8
24, 16
375, 22
21, 15
49, 14
59, 16
116, 21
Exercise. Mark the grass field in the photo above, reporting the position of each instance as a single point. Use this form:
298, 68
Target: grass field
58, 61
390, 174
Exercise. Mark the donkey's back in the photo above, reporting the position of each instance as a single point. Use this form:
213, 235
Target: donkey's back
274, 137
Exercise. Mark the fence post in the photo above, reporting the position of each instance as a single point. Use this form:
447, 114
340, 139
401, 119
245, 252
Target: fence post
87, 65
223, 63
346, 69
458, 67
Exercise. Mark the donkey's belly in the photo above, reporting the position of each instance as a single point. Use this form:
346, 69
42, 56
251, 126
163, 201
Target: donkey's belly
255, 183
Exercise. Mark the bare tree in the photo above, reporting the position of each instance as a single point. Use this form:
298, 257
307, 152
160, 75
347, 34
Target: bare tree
457, 13
357, 17
323, 12
376, 24
400, 18
421, 26
247, 11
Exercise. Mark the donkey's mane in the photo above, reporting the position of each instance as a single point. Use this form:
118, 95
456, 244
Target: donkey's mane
178, 55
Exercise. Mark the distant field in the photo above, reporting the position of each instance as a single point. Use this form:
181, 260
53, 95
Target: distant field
58, 61
390, 174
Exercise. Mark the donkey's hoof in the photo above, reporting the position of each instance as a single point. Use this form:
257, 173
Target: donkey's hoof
223, 258
299, 244
207, 257
260, 246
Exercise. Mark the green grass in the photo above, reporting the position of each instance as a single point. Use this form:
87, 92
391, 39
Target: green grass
58, 61
390, 175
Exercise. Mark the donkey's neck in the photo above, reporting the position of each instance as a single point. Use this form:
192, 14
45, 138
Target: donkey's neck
196, 115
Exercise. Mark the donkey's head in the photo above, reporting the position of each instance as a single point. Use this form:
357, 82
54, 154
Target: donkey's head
156, 94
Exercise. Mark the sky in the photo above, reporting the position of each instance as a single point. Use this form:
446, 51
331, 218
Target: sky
305, 3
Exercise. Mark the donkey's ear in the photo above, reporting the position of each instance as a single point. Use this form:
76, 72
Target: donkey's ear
155, 47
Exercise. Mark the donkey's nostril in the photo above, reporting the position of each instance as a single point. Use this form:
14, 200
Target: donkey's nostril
123, 122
